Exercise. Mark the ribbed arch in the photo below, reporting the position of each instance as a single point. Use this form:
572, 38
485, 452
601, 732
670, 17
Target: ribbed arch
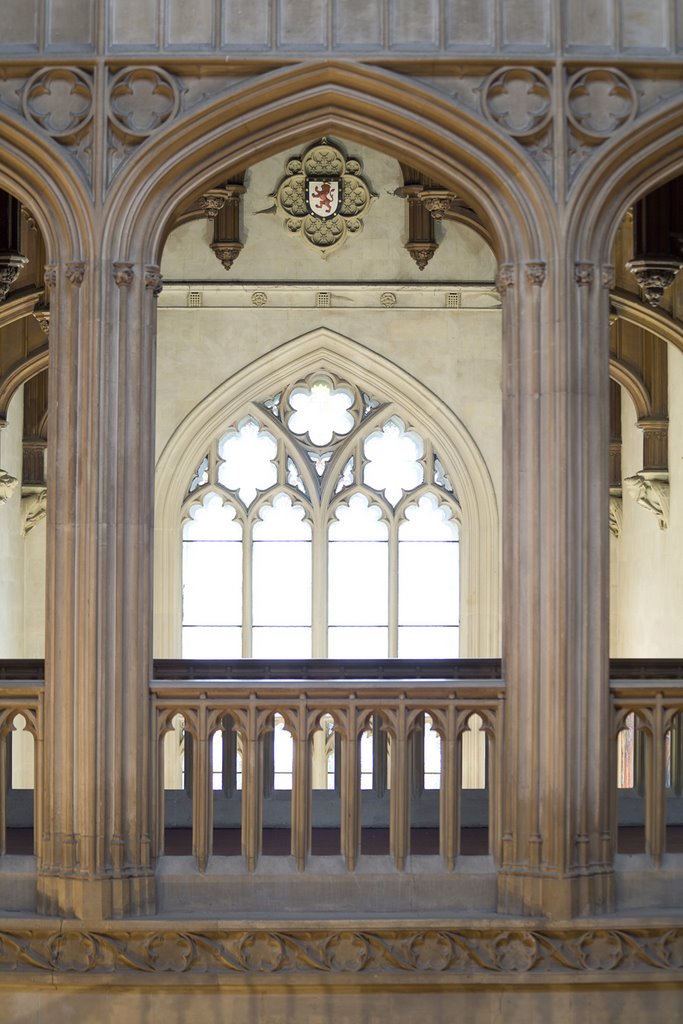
367, 105
324, 350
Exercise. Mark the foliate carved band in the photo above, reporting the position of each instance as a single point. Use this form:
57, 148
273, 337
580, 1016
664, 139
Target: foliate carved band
505, 278
510, 952
583, 274
154, 282
535, 272
75, 272
123, 272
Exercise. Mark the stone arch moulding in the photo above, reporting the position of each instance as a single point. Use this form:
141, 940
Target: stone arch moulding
322, 348
368, 105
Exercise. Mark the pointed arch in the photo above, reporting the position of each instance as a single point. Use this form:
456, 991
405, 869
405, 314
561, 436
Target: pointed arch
335, 353
366, 104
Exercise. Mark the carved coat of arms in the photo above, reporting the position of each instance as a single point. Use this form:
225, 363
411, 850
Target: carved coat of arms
323, 197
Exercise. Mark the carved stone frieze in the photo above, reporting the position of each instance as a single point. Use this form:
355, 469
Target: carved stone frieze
323, 197
8, 485
123, 272
651, 490
496, 953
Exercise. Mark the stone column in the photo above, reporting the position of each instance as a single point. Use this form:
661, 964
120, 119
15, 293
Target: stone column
556, 847
94, 862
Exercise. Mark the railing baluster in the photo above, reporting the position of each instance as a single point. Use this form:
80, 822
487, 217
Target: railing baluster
449, 796
252, 787
202, 791
301, 787
399, 804
350, 787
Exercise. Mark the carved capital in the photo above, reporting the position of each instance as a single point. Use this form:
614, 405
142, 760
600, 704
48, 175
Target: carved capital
11, 265
438, 201
616, 514
607, 275
50, 275
42, 315
505, 278
535, 271
651, 491
123, 272
33, 508
421, 252
654, 275
212, 202
226, 252
154, 282
583, 274
75, 272
8, 484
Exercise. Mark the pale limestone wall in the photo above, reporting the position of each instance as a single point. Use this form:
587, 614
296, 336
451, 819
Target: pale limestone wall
646, 578
34, 591
80, 1000
467, 27
11, 541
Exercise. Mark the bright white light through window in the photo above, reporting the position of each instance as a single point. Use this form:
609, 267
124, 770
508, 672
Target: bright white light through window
321, 411
393, 455
248, 455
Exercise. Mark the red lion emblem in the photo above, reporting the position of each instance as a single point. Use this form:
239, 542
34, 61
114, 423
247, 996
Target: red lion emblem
323, 194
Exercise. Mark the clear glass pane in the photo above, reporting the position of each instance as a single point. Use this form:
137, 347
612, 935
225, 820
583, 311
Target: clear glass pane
428, 583
281, 642
282, 520
212, 583
217, 760
358, 590
393, 454
428, 641
357, 519
357, 642
432, 756
366, 760
428, 519
248, 455
212, 520
212, 642
321, 411
283, 754
281, 566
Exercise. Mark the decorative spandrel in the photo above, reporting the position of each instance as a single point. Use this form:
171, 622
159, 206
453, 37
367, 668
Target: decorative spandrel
324, 197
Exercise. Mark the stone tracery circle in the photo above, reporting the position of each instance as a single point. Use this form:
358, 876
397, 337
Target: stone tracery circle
142, 100
59, 100
600, 101
518, 99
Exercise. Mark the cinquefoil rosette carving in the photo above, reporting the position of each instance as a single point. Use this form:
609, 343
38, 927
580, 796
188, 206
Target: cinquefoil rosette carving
346, 952
431, 951
262, 952
323, 198
73, 951
600, 951
170, 952
516, 951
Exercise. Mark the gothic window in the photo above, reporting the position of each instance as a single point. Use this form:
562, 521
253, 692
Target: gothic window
320, 524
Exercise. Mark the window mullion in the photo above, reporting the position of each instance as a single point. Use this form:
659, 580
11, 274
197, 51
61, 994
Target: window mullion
247, 544
393, 588
319, 610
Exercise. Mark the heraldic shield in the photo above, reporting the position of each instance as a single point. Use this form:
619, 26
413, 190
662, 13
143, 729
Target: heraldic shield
323, 197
